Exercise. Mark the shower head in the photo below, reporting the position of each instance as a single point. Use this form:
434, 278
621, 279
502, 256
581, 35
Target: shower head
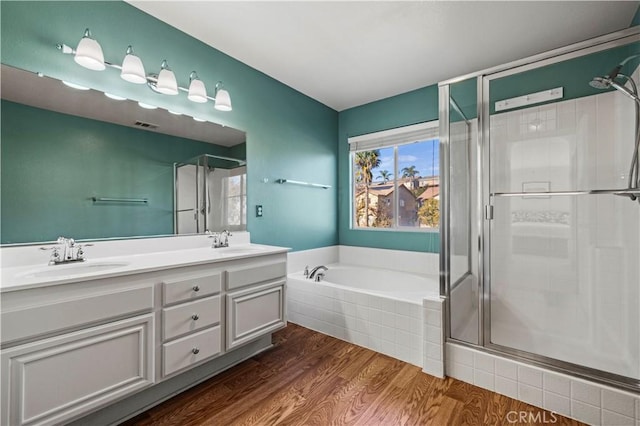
605, 81
600, 83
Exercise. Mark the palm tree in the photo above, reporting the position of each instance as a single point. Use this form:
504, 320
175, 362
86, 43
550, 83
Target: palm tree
366, 161
409, 172
385, 175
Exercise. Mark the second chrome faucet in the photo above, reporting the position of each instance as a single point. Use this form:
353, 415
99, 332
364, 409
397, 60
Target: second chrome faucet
220, 239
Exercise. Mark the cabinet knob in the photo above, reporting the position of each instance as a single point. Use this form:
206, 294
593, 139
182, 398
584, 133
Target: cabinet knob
195, 317
196, 288
195, 351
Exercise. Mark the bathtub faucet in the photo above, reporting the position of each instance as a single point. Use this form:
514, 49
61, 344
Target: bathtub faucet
315, 270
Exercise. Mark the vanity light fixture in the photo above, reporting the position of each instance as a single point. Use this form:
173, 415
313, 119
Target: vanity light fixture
223, 100
166, 83
197, 91
132, 68
89, 55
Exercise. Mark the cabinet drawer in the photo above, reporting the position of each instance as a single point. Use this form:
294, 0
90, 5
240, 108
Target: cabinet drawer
257, 273
190, 349
57, 379
194, 287
254, 312
43, 319
190, 316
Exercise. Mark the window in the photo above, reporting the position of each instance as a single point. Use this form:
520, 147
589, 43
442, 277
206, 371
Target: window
395, 178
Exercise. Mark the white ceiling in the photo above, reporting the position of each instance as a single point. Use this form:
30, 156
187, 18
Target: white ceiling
345, 54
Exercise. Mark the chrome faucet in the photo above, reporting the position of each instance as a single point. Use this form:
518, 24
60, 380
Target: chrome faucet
66, 251
220, 239
315, 270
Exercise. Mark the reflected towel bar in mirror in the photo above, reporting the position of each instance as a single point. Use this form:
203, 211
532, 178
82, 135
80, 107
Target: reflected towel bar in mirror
118, 200
297, 182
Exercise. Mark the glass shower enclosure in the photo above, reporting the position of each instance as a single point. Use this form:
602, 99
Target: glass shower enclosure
541, 217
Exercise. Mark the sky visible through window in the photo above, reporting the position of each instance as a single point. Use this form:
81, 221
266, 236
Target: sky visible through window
424, 156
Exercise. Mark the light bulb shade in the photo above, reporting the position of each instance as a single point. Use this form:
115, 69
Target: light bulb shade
132, 69
167, 83
223, 101
197, 91
89, 53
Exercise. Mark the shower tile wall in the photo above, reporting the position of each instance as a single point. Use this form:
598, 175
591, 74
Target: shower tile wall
565, 270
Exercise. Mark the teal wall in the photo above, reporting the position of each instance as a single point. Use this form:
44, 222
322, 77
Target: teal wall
289, 135
636, 18
409, 108
465, 94
573, 75
51, 171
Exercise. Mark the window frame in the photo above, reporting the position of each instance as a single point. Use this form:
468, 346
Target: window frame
390, 138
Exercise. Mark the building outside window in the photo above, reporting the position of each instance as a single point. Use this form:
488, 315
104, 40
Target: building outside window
395, 178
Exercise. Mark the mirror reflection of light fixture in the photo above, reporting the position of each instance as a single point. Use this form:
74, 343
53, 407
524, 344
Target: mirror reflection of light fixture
74, 85
146, 106
89, 55
114, 97
132, 68
197, 91
223, 100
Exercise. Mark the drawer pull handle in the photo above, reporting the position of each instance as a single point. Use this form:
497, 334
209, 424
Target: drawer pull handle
196, 288
195, 317
195, 351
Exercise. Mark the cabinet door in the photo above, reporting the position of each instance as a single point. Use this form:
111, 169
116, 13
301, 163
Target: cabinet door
254, 312
54, 380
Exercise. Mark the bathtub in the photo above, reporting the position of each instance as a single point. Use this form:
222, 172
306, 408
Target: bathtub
383, 282
380, 309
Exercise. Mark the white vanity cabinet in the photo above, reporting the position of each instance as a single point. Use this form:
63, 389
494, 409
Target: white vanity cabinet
73, 347
255, 300
71, 354
191, 326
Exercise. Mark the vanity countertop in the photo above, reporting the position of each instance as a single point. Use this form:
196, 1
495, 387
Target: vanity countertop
32, 276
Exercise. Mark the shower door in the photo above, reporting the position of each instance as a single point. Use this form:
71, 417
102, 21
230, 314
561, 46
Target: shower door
562, 252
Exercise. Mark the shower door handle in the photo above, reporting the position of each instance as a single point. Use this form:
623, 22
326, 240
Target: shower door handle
488, 212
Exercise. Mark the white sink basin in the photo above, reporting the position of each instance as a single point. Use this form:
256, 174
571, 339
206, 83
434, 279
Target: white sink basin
71, 269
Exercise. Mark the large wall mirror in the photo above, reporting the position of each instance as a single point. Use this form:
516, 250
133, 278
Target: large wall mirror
84, 165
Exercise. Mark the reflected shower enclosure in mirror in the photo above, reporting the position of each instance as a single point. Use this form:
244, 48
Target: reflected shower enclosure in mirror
203, 179
80, 164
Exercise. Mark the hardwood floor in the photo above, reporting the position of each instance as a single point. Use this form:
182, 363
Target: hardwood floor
312, 379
